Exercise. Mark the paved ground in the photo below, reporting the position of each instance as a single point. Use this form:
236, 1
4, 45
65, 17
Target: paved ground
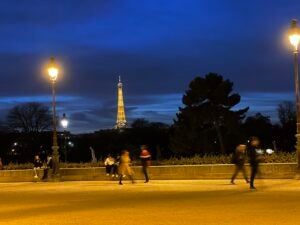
159, 202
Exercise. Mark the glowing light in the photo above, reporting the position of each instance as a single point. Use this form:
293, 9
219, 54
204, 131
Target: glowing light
64, 122
294, 34
295, 39
53, 72
52, 69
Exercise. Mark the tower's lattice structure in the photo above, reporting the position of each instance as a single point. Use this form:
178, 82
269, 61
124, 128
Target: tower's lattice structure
121, 118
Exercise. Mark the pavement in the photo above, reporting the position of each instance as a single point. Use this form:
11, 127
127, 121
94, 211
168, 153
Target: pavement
158, 202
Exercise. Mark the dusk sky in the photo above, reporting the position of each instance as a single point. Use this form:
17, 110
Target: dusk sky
156, 46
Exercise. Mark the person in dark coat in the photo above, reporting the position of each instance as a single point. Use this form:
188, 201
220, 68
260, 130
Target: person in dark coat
253, 159
145, 159
239, 160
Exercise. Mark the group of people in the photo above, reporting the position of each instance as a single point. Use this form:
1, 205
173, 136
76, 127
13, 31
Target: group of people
122, 166
39, 164
239, 159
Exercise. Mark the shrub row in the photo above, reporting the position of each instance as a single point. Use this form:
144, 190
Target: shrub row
279, 157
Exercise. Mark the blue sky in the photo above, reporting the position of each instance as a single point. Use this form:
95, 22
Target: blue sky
157, 47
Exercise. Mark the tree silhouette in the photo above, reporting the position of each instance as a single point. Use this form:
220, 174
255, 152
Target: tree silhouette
207, 116
30, 117
286, 134
260, 126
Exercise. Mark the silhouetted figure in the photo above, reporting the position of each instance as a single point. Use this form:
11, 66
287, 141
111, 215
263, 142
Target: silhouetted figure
124, 167
253, 159
239, 160
47, 167
145, 159
1, 164
37, 164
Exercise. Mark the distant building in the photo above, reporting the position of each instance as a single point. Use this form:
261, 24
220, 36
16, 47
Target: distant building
121, 118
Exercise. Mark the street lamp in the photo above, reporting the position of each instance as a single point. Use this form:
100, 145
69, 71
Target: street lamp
64, 123
53, 73
294, 36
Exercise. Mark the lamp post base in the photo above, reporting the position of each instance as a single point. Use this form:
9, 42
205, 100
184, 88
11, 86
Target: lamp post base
55, 164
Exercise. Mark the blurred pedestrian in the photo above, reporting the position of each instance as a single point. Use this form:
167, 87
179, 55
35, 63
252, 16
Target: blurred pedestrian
145, 159
109, 164
37, 164
238, 159
1, 164
48, 166
253, 159
124, 167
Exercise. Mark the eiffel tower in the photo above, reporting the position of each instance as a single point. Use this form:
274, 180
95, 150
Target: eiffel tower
121, 118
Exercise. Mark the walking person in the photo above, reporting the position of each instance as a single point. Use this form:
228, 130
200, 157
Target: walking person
145, 159
109, 164
239, 160
253, 159
124, 167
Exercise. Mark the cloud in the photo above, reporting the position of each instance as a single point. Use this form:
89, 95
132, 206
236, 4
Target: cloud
157, 47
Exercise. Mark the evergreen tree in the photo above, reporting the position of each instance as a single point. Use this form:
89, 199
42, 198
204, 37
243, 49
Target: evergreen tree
206, 117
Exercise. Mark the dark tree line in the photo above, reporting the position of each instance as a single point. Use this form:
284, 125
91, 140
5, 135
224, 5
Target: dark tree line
206, 124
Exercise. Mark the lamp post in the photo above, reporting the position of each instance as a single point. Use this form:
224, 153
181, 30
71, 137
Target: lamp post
294, 36
64, 123
53, 73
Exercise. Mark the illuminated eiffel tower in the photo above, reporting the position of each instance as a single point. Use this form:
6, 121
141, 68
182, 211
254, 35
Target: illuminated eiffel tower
121, 118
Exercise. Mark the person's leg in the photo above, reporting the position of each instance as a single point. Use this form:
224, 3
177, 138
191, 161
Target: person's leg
145, 174
45, 176
35, 172
110, 169
131, 178
115, 170
107, 169
244, 174
236, 171
120, 179
253, 173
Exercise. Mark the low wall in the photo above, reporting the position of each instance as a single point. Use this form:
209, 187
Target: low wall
171, 172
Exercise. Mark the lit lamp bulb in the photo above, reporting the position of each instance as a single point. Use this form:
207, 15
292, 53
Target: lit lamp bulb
64, 122
52, 69
294, 34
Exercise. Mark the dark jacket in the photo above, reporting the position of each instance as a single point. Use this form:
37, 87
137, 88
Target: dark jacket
253, 156
238, 158
37, 163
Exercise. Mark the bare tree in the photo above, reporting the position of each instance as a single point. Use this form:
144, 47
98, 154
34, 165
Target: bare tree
29, 117
286, 113
286, 134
